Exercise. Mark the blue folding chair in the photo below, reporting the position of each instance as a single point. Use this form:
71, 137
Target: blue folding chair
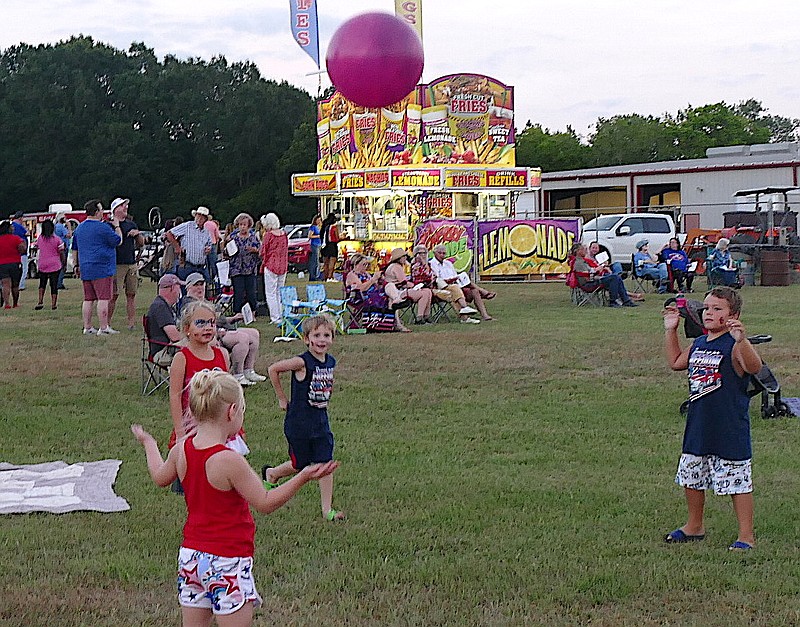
294, 312
337, 307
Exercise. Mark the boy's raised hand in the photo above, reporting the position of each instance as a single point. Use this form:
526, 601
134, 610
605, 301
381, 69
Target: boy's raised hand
736, 329
318, 471
141, 435
672, 317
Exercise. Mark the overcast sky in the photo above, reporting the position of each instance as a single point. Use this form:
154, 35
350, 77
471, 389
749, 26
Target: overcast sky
570, 61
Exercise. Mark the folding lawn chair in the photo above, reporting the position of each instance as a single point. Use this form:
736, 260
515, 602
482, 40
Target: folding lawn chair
592, 293
642, 283
154, 375
442, 310
336, 307
294, 312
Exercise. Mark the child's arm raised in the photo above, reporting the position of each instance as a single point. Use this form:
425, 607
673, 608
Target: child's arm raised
231, 469
745, 356
162, 472
676, 359
293, 364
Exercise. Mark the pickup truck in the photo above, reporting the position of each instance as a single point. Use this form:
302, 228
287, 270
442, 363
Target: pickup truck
618, 233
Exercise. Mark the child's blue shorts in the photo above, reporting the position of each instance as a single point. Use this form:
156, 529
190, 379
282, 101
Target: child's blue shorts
306, 451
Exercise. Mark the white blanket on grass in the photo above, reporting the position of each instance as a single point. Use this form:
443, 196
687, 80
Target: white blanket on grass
58, 487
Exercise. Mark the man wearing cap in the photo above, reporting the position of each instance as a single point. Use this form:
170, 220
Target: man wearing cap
127, 276
647, 266
162, 320
94, 252
18, 229
192, 243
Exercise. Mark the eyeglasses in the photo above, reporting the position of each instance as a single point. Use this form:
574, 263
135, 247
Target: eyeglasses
200, 323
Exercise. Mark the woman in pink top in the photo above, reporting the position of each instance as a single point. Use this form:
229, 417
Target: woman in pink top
50, 261
275, 259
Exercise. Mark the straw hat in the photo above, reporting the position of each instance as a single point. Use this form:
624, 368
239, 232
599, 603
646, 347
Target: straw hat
398, 253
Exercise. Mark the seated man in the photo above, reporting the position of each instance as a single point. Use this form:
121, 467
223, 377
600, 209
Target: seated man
446, 274
421, 273
648, 266
589, 275
162, 320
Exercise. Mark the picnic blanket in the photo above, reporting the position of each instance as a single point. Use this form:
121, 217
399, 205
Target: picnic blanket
58, 487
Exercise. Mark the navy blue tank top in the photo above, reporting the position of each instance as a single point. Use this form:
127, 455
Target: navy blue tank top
718, 422
307, 414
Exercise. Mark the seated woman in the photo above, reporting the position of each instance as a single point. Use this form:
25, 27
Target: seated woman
615, 268
242, 343
367, 290
721, 268
395, 275
588, 276
421, 272
648, 266
678, 266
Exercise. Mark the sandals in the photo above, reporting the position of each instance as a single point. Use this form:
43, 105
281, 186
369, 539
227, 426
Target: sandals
679, 537
490, 295
334, 515
740, 546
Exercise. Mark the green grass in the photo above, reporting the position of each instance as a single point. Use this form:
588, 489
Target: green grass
517, 472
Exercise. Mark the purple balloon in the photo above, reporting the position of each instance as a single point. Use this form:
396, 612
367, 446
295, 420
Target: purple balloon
375, 59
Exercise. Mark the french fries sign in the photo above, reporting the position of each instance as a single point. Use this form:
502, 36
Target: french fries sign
457, 119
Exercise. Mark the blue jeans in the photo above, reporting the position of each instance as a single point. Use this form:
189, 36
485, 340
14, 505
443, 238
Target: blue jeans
313, 264
61, 273
616, 288
616, 267
244, 290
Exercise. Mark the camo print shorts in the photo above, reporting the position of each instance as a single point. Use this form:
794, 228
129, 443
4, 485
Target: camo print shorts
709, 472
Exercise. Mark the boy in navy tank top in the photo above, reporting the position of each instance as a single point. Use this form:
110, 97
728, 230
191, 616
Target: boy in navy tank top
716, 442
306, 425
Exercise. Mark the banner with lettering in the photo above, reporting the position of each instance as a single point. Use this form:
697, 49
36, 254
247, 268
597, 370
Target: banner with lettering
461, 119
457, 235
303, 16
514, 247
411, 12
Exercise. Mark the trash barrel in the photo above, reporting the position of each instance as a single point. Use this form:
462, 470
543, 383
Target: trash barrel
775, 268
746, 272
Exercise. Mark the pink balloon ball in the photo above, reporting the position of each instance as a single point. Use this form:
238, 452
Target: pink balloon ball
375, 59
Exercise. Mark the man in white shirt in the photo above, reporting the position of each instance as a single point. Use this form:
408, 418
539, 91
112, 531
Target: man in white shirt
444, 271
193, 242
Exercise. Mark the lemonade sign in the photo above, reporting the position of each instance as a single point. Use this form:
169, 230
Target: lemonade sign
458, 236
509, 247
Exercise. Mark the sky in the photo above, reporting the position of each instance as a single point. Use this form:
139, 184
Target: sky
570, 62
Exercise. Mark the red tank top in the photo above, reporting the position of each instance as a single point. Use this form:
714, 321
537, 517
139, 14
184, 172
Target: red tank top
219, 522
194, 365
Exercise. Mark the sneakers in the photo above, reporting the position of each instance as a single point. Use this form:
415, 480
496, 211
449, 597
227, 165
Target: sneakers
108, 331
470, 321
331, 281
243, 380
90, 331
467, 310
629, 303
252, 375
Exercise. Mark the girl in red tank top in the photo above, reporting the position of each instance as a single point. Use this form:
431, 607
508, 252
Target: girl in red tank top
215, 574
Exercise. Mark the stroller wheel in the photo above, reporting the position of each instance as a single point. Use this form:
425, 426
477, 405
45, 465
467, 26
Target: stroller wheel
784, 410
769, 412
684, 408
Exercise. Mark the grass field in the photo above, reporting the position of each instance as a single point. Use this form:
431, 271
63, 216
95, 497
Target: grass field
509, 473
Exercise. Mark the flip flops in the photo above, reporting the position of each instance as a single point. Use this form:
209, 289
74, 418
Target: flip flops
739, 546
679, 537
490, 295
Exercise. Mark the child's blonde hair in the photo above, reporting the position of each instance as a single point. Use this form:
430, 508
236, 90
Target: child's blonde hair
320, 320
190, 310
211, 392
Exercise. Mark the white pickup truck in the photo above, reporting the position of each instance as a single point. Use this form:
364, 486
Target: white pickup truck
618, 233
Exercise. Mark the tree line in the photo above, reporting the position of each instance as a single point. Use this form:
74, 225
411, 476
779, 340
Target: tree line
80, 120
634, 138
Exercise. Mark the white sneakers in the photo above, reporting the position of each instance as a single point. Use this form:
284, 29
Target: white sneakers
108, 331
243, 381
467, 310
252, 375
331, 281
470, 320
90, 331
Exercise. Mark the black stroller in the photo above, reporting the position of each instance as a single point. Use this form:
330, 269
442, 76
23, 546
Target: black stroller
764, 383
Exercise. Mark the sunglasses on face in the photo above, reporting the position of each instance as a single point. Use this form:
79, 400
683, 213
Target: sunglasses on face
200, 323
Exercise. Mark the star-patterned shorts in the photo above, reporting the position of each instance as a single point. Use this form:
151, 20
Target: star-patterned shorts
708, 472
221, 584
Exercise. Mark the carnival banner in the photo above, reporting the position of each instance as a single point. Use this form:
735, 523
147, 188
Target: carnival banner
303, 16
457, 235
411, 12
525, 247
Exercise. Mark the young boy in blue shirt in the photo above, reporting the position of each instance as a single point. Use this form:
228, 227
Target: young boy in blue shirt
716, 442
306, 426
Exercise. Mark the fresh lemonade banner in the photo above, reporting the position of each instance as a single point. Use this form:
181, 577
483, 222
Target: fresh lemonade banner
456, 119
509, 247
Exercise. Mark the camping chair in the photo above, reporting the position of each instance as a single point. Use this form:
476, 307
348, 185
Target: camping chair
336, 307
716, 277
442, 310
154, 375
592, 293
642, 283
294, 312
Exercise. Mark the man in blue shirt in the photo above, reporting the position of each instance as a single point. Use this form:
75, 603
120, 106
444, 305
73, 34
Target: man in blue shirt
94, 250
